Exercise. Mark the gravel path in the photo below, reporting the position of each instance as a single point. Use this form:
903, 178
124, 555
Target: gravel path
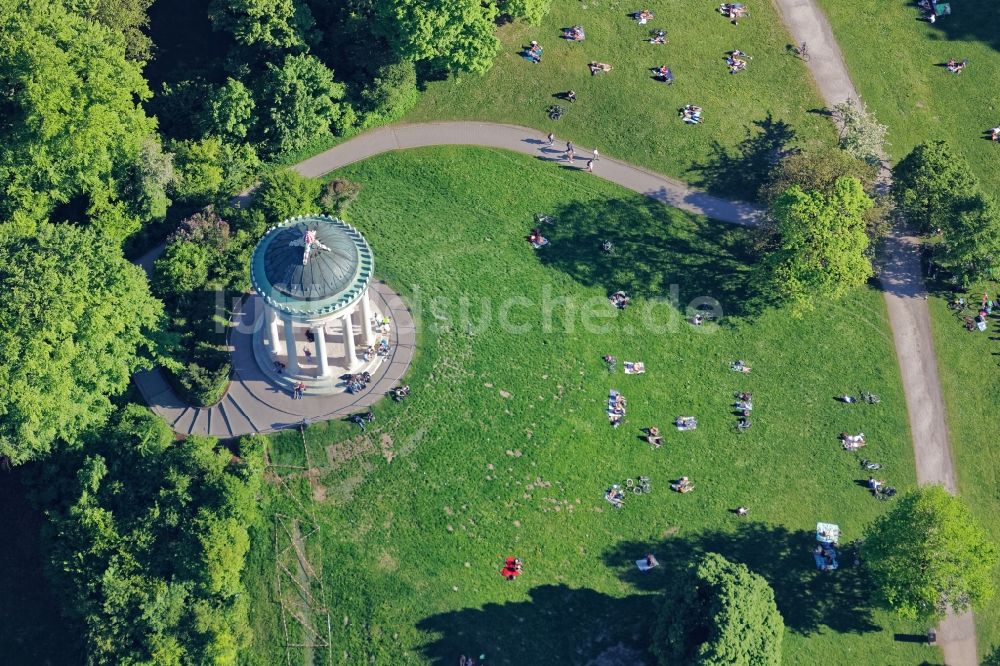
906, 301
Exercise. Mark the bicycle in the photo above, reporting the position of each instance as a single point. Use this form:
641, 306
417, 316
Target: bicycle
870, 398
869, 465
639, 487
801, 51
556, 111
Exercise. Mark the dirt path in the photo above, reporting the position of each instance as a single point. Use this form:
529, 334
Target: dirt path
906, 302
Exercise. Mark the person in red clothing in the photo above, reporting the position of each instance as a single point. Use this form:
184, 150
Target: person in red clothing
511, 568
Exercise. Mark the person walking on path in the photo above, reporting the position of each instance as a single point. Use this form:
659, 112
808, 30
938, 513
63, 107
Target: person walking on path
569, 155
596, 155
590, 166
552, 139
569, 146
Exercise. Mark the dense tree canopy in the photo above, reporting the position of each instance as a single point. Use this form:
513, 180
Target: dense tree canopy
928, 181
73, 320
268, 23
71, 127
126, 17
285, 193
929, 554
970, 244
299, 102
148, 539
719, 614
822, 243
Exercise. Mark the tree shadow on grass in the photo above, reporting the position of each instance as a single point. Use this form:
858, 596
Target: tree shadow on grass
559, 625
977, 20
653, 248
744, 170
808, 599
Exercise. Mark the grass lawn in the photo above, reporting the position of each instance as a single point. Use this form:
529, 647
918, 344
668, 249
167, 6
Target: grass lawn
504, 447
967, 363
627, 114
896, 62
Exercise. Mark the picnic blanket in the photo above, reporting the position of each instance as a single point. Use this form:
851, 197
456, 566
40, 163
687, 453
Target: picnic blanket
643, 565
635, 368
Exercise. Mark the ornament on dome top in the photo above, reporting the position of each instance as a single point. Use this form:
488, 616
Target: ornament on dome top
309, 243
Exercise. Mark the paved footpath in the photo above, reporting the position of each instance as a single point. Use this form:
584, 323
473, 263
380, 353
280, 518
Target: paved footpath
906, 302
530, 142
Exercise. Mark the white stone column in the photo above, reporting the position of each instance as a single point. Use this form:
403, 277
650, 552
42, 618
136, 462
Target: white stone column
292, 351
324, 365
272, 324
350, 354
366, 315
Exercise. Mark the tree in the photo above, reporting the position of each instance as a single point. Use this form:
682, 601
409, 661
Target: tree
285, 193
151, 176
199, 169
816, 170
277, 24
298, 102
970, 247
929, 554
455, 34
822, 244
391, 94
148, 540
74, 318
532, 11
183, 268
72, 124
229, 113
860, 134
128, 18
928, 181
718, 613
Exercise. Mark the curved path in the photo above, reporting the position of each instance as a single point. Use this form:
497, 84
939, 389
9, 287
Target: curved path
530, 142
906, 302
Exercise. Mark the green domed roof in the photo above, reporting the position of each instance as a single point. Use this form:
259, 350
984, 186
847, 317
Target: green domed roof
336, 272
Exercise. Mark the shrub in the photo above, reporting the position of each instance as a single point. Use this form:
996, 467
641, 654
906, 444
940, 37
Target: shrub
391, 94
285, 193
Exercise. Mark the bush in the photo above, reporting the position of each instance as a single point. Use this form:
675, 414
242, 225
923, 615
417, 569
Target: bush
198, 168
205, 379
285, 193
182, 269
338, 195
391, 94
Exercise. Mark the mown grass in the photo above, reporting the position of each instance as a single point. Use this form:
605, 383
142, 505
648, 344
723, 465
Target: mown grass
967, 364
627, 114
895, 60
504, 447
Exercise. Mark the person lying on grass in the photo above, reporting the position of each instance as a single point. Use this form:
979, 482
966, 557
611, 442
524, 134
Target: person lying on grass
574, 34
956, 67
657, 36
643, 16
599, 68
664, 74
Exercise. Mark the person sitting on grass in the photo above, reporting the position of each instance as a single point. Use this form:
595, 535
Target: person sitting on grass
995, 133
537, 240
742, 511
736, 64
691, 114
658, 37
642, 17
570, 96
599, 68
619, 299
682, 485
664, 74
653, 437
534, 52
956, 67
616, 496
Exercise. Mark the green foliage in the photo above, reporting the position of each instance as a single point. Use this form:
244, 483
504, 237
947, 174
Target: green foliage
970, 246
199, 169
817, 170
230, 112
532, 11
74, 316
285, 193
454, 34
73, 125
182, 268
151, 176
822, 244
929, 554
719, 614
267, 23
928, 182
148, 543
860, 134
298, 101
128, 18
391, 94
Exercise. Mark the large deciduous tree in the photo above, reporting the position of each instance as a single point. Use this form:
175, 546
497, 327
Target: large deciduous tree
718, 613
970, 247
268, 23
74, 318
299, 103
860, 134
285, 193
929, 554
928, 181
71, 124
455, 34
822, 244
